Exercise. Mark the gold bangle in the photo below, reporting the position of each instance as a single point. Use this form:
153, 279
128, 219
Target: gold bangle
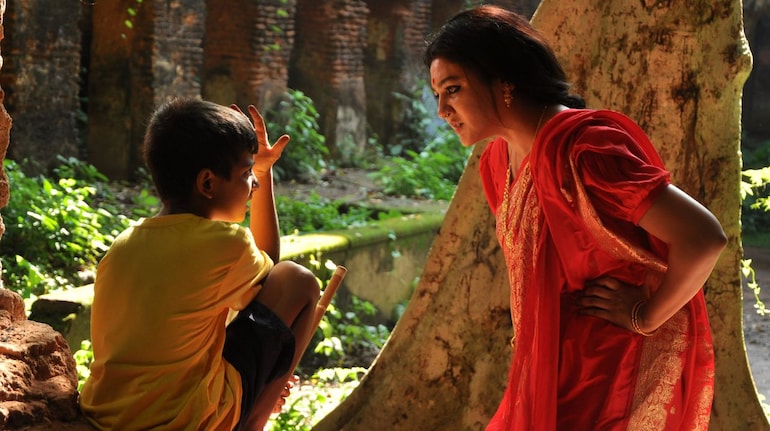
635, 318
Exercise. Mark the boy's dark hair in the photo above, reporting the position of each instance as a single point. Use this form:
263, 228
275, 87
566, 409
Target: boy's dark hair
186, 135
500, 44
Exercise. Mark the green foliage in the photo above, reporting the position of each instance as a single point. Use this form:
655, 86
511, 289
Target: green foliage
316, 213
755, 187
432, 173
413, 132
304, 157
344, 333
307, 404
428, 159
131, 13
755, 196
755, 184
83, 358
56, 227
751, 282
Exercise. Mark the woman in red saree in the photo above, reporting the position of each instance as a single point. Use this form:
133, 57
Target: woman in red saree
606, 258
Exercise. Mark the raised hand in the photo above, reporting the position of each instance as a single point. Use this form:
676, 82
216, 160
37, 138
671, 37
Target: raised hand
267, 154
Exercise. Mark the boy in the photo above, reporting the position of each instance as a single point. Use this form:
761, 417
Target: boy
164, 356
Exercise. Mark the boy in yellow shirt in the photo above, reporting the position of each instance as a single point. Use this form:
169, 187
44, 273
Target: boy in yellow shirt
166, 355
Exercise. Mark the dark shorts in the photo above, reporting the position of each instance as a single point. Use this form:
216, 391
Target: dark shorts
261, 347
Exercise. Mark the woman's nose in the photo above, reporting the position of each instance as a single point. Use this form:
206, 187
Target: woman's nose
442, 111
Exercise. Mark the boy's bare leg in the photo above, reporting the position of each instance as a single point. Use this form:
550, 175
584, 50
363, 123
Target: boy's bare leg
263, 408
293, 300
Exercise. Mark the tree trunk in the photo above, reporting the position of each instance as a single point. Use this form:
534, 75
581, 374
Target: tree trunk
678, 69
444, 366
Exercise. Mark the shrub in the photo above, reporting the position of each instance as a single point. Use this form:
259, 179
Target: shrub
316, 213
427, 158
304, 157
57, 228
755, 187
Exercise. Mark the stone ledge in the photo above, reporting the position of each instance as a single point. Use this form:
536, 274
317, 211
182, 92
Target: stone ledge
38, 379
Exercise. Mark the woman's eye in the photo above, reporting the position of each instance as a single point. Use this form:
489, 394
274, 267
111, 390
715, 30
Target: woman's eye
453, 89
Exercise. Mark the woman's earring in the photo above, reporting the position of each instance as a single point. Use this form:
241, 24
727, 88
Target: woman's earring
507, 97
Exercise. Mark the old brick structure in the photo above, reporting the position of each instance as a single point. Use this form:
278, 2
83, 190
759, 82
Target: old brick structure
359, 60
113, 62
246, 48
328, 65
138, 60
41, 80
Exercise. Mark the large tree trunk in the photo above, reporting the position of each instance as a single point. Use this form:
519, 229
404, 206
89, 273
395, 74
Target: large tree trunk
445, 364
677, 68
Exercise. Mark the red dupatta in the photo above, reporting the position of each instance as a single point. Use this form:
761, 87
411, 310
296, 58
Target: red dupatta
569, 217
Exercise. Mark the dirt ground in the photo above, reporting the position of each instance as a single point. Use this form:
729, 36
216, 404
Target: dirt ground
354, 185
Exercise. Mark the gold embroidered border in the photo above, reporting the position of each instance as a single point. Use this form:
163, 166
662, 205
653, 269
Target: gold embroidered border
518, 229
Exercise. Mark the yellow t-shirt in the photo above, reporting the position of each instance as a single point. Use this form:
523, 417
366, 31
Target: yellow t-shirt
161, 299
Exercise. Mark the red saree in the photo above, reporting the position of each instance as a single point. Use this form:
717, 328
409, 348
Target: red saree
570, 216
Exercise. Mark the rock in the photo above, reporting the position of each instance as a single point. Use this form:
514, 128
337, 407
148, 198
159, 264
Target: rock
38, 378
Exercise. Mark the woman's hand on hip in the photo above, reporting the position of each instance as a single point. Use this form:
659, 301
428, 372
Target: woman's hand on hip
611, 299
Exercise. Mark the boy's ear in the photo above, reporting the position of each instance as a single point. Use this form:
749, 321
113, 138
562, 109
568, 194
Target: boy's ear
204, 183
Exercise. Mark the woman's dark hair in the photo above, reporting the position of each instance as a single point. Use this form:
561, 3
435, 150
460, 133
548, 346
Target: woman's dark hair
186, 135
500, 44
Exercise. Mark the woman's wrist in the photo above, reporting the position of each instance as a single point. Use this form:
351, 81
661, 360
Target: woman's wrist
637, 318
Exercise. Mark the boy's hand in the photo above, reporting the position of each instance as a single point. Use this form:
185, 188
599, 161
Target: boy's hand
267, 154
285, 393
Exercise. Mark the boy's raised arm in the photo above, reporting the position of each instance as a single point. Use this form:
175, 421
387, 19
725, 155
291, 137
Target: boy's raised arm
264, 219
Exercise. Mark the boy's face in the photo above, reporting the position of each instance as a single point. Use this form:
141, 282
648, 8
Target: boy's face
230, 200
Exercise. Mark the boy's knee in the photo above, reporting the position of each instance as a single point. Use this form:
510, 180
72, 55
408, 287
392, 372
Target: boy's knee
298, 279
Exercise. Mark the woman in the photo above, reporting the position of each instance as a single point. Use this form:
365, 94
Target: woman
606, 258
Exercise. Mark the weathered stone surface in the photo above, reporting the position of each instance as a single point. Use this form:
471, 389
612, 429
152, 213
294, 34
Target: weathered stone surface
38, 378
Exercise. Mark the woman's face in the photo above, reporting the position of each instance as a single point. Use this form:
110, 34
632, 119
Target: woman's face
464, 101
